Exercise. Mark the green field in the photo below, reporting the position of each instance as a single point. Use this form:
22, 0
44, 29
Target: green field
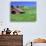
28, 16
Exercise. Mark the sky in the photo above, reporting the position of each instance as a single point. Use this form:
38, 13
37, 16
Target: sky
24, 3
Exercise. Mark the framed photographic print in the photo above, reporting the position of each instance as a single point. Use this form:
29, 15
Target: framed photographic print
22, 11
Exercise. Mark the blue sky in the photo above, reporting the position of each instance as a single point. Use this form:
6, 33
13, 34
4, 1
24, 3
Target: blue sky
23, 3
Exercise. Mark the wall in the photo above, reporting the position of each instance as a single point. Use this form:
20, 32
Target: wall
30, 30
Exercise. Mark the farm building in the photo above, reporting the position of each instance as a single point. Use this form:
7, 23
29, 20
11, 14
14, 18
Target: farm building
16, 10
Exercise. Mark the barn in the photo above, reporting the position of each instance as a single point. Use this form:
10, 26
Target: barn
16, 10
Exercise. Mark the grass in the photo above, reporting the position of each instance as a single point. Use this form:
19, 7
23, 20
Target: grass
28, 16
